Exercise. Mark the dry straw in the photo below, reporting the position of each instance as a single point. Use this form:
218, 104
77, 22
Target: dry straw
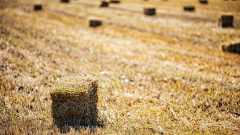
75, 97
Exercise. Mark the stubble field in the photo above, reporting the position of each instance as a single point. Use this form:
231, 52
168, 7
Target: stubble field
162, 74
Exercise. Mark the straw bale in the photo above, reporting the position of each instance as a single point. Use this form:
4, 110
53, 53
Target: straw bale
65, 1
37, 7
115, 1
226, 20
149, 11
203, 1
75, 97
233, 47
104, 4
94, 22
189, 8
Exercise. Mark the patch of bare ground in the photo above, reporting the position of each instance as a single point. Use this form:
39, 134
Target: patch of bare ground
157, 75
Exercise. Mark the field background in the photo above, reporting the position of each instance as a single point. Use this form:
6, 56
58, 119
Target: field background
162, 74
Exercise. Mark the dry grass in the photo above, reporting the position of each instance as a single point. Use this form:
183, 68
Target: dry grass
160, 74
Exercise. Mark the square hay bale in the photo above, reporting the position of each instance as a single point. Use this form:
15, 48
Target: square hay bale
189, 8
226, 21
115, 1
149, 11
65, 1
75, 97
94, 22
233, 47
104, 4
203, 1
37, 7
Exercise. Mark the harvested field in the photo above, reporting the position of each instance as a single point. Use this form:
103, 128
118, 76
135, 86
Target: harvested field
161, 74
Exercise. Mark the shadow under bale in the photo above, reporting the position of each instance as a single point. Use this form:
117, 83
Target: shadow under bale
65, 1
189, 8
226, 21
104, 4
37, 7
231, 47
149, 11
75, 103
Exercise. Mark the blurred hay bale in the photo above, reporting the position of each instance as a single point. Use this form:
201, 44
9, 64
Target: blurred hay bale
37, 7
104, 4
75, 97
189, 8
94, 22
203, 1
226, 20
65, 1
233, 47
149, 11
115, 1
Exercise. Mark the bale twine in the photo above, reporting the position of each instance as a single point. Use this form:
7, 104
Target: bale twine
65, 1
37, 7
226, 21
94, 22
189, 8
104, 4
115, 1
75, 97
149, 11
203, 1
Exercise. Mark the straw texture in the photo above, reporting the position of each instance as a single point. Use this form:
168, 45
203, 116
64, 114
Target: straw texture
75, 97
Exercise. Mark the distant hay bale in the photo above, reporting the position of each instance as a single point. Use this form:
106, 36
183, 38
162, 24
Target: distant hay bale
233, 47
104, 4
149, 11
75, 97
94, 22
189, 8
37, 7
65, 1
115, 1
226, 21
203, 1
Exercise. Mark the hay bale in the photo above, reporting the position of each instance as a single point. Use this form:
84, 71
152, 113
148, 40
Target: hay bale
37, 7
104, 4
189, 8
94, 22
226, 21
115, 1
233, 47
65, 1
203, 1
75, 97
149, 11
